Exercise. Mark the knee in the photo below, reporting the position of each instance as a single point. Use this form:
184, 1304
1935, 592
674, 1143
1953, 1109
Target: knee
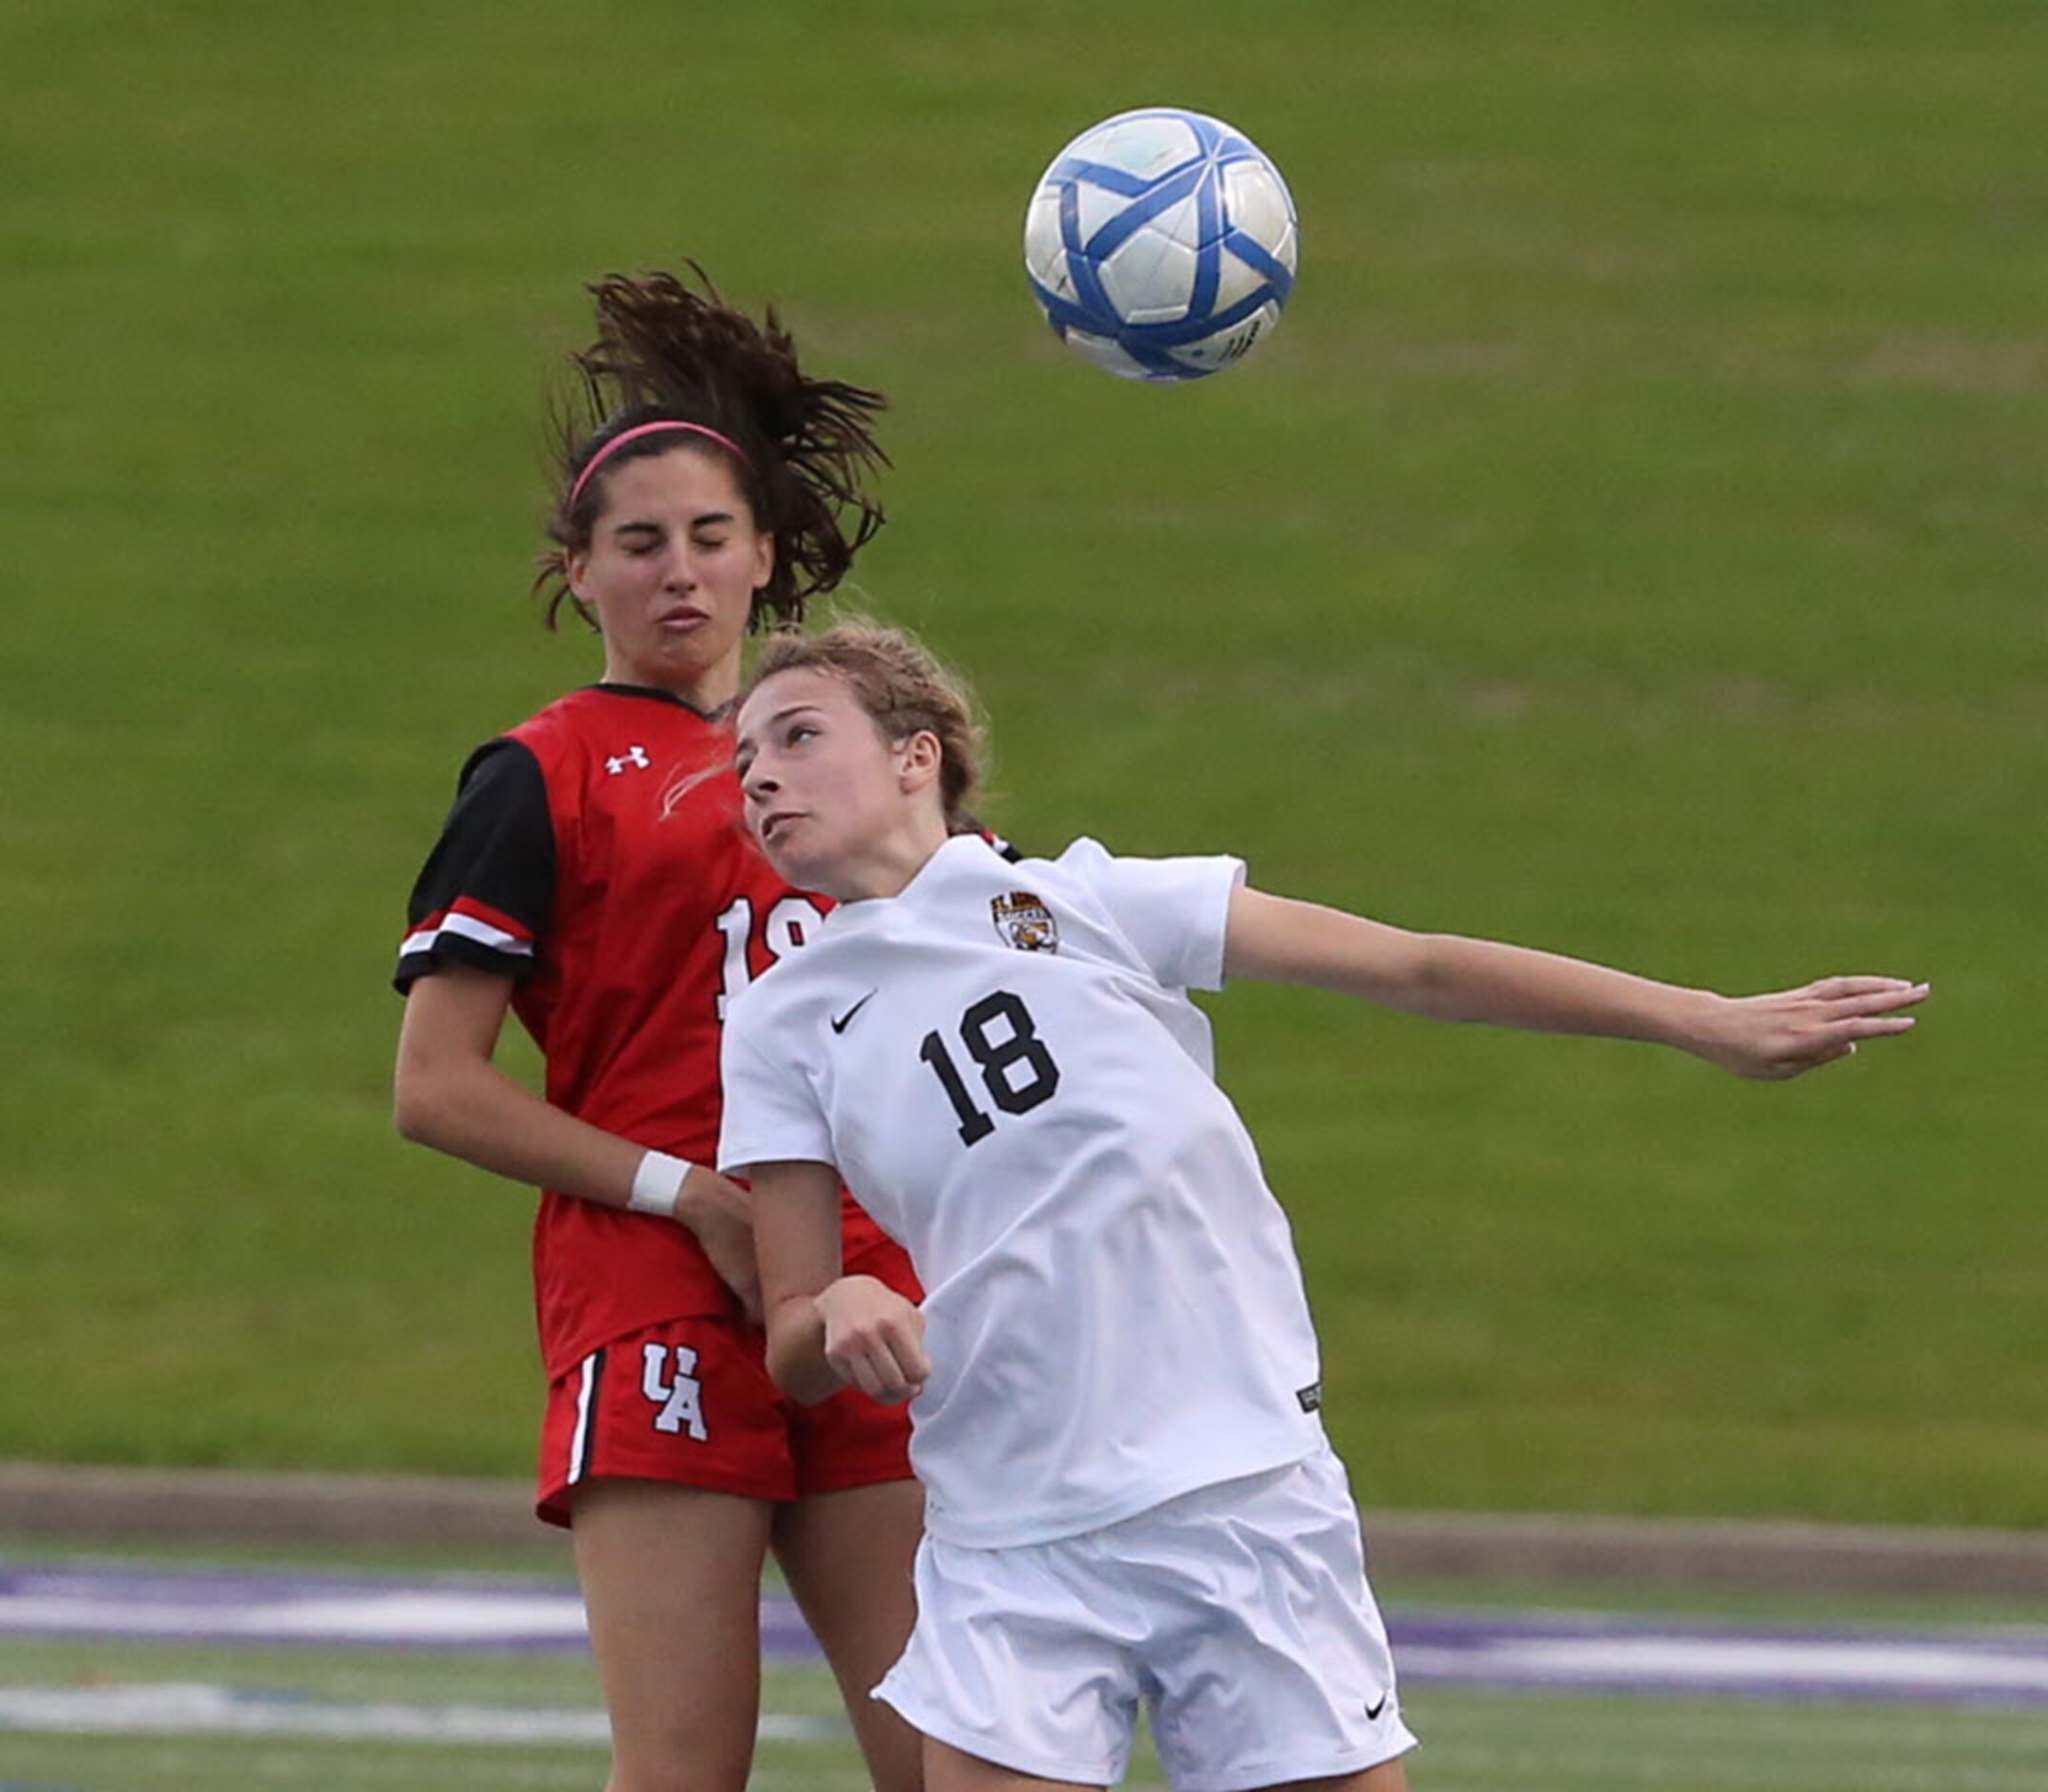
678, 1766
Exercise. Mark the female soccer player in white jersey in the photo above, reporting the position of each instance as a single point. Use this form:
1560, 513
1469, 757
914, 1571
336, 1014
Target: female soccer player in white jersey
595, 879
1130, 1497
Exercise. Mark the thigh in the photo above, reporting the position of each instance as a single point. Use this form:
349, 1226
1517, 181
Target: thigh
1387, 1776
848, 1558
672, 1583
949, 1769
1390, 1776
1268, 1662
1020, 1661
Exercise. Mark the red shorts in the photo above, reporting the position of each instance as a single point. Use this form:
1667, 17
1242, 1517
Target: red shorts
690, 1400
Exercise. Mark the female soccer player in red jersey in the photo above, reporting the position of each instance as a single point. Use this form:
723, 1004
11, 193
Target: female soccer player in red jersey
594, 879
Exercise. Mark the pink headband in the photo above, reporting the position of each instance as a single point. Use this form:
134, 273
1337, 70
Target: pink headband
620, 439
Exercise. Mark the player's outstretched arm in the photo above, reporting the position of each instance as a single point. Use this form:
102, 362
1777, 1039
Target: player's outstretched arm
1448, 977
826, 1330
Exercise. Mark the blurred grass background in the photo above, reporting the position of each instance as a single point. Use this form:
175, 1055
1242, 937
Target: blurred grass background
1632, 544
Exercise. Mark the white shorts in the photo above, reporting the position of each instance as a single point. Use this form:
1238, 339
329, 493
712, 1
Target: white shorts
1238, 1614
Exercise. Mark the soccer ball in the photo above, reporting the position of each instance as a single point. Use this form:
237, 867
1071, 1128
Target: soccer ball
1161, 245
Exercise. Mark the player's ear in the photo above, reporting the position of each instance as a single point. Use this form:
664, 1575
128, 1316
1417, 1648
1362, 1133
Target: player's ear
576, 567
763, 558
919, 759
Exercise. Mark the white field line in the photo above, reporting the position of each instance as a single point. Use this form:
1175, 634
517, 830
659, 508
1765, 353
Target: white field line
178, 1708
1704, 1663
423, 1618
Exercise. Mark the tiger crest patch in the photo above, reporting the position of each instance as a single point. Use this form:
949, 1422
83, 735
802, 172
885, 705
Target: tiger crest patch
1025, 922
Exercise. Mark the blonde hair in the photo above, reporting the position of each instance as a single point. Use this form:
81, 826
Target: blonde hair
904, 689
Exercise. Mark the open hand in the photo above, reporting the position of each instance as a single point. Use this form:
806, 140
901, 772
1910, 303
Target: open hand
874, 1338
1789, 1032
720, 1215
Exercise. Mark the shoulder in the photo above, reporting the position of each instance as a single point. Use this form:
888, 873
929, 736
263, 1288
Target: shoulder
563, 716
501, 786
787, 1003
555, 736
602, 711
603, 735
1084, 867
570, 720
1090, 863
1082, 858
504, 763
1172, 914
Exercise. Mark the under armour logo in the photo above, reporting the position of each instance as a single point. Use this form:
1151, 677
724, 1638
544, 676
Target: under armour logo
632, 756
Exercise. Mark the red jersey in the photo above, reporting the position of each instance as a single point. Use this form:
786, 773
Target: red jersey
596, 855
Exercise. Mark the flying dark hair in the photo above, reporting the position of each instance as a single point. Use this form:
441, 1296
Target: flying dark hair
800, 448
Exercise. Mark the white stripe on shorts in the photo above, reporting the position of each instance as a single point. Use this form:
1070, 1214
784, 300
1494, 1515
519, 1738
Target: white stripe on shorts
585, 1387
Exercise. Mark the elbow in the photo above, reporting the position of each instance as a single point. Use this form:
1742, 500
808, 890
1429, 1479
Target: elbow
789, 1382
800, 1381
418, 1110
1435, 984
807, 1384
409, 1118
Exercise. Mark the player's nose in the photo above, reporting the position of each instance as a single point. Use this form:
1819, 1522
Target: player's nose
680, 572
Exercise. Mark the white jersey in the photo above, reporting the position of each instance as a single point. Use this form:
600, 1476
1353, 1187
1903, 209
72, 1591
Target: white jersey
1003, 1064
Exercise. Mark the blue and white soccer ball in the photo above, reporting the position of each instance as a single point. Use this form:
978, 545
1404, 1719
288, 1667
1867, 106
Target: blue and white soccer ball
1161, 245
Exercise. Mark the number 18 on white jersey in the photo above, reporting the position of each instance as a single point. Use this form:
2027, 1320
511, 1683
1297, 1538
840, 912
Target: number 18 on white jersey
1004, 1065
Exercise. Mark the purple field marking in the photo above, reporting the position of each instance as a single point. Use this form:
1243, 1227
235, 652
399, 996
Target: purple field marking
1559, 1651
1549, 1651
442, 1612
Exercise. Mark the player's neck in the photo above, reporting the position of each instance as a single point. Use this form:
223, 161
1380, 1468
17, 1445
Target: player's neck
890, 863
707, 691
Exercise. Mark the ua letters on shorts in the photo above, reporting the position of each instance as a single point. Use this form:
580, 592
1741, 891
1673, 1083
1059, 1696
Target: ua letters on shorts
690, 1402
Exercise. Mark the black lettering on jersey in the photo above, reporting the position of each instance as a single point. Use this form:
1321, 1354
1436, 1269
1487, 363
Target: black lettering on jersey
1000, 1036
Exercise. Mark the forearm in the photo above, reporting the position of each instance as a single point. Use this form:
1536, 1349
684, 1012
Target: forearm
798, 1231
797, 1362
826, 1329
1498, 985
472, 1110
1446, 976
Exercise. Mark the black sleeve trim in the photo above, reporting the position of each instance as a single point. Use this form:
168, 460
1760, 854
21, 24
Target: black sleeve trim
486, 894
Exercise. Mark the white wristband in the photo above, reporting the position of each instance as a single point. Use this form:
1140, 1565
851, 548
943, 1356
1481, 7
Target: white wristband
658, 1185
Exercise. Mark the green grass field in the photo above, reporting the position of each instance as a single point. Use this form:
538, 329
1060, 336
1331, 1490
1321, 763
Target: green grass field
1473, 1741
1632, 544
